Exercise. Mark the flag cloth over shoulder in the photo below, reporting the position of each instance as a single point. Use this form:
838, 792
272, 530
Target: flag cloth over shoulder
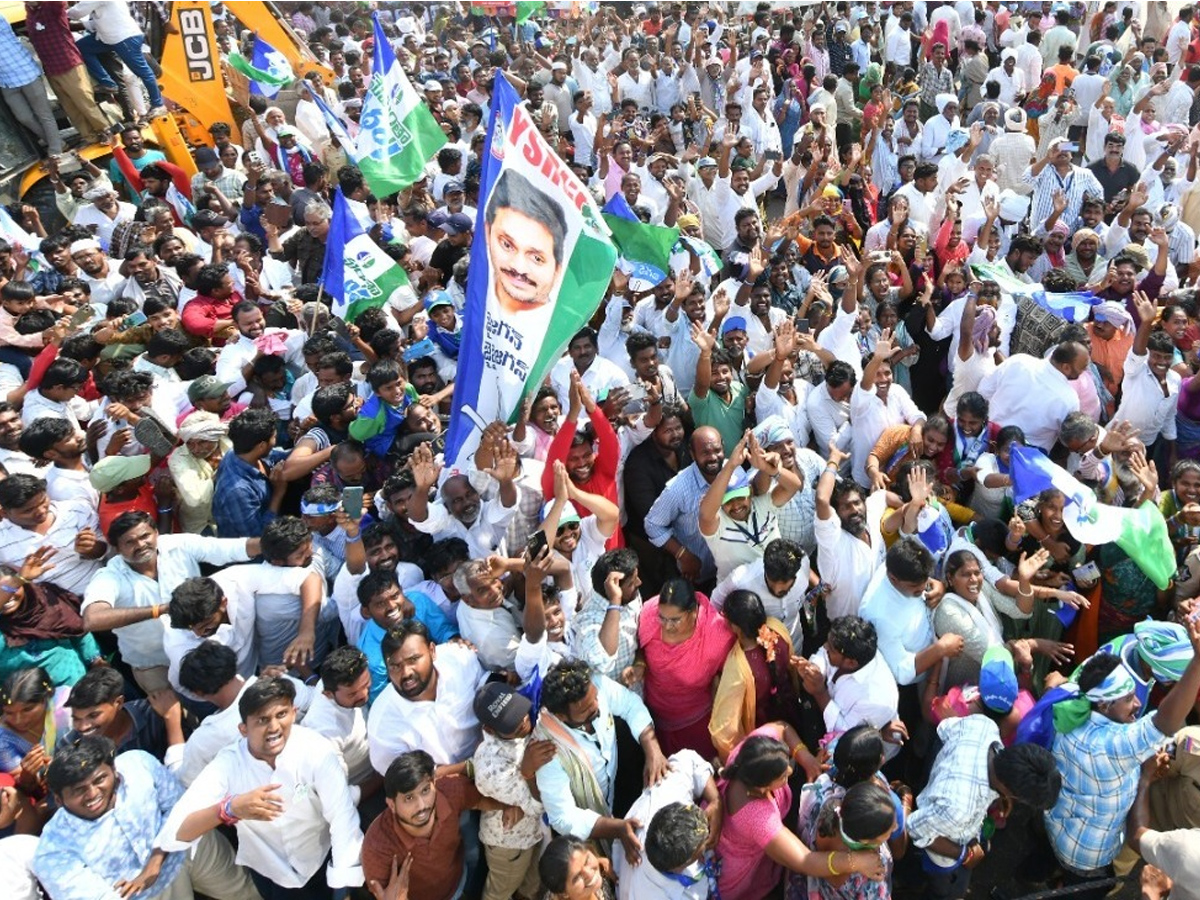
1073, 306
358, 274
336, 126
268, 70
398, 134
645, 249
541, 262
1140, 532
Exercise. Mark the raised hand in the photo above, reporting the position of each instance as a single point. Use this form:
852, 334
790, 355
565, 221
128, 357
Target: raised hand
885, 347
703, 339
684, 281
785, 339
919, 487
836, 455
562, 481
425, 470
505, 462
1028, 566
720, 304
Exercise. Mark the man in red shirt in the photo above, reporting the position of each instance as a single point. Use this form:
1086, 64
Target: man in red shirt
421, 821
210, 314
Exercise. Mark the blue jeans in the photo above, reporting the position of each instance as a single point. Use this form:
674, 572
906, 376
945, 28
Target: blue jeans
130, 51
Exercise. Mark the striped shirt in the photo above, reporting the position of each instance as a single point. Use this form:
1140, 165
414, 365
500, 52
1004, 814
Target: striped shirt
1077, 184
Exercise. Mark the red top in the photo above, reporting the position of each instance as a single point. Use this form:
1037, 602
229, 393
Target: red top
604, 471
202, 313
437, 859
143, 502
49, 31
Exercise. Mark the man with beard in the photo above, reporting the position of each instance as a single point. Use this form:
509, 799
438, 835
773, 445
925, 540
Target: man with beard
672, 523
243, 787
338, 712
850, 545
102, 838
643, 360
209, 672
129, 595
780, 578
1084, 263
753, 303
717, 399
417, 837
648, 469
429, 701
252, 340
97, 273
383, 605
58, 442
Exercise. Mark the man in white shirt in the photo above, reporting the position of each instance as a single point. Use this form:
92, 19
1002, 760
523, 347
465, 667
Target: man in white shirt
828, 406
598, 374
130, 594
235, 363
1149, 387
11, 457
486, 617
849, 542
875, 405
669, 821
210, 673
780, 579
1179, 37
32, 521
894, 602
429, 701
217, 608
1036, 393
635, 83
338, 711
283, 788
898, 50
578, 715
849, 680
1009, 77
461, 511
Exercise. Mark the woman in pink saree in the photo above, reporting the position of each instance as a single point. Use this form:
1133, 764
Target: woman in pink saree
685, 642
755, 847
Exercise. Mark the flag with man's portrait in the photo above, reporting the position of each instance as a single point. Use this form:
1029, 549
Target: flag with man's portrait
541, 262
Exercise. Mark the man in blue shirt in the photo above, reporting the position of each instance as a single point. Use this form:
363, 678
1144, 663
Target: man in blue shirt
103, 840
249, 480
386, 606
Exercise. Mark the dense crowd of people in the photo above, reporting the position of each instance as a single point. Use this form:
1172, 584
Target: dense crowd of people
752, 600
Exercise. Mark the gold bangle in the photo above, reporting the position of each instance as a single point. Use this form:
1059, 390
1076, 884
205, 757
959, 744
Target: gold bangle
829, 862
1021, 593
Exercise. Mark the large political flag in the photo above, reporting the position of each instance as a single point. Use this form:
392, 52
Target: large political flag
358, 274
398, 134
1141, 532
540, 265
267, 70
645, 249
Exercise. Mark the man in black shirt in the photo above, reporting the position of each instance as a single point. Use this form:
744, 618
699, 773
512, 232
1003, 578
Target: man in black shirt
458, 229
1113, 173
